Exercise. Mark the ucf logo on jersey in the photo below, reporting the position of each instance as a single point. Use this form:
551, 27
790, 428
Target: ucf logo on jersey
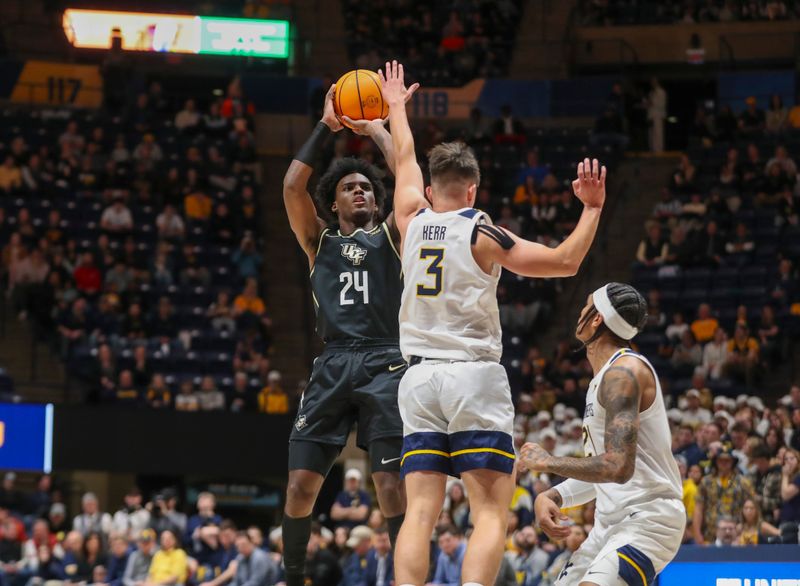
354, 253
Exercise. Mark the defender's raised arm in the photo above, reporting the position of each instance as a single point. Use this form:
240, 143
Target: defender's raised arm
409, 193
531, 259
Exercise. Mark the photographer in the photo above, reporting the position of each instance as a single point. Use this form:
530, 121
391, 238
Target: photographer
163, 513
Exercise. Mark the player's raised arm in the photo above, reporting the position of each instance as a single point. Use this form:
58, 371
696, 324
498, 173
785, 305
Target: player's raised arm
620, 394
409, 192
303, 218
531, 259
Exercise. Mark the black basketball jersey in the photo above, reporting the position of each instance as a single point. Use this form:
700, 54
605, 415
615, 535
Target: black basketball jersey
356, 282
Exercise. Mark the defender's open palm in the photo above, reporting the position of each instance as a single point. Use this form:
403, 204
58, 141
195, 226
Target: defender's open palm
393, 86
590, 186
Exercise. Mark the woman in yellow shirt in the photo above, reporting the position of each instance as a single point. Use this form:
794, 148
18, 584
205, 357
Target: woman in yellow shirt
170, 564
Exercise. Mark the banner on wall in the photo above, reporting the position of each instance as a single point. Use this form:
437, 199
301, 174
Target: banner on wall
58, 84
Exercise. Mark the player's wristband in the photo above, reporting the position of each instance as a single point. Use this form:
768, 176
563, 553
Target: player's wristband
311, 150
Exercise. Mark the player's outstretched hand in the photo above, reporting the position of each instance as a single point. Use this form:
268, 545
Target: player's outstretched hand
549, 516
534, 457
329, 117
590, 185
393, 86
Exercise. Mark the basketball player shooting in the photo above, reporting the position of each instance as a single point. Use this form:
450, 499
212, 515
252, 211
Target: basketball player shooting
356, 283
628, 465
454, 398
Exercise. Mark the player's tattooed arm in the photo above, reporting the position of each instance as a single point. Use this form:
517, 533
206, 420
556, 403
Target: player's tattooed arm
620, 395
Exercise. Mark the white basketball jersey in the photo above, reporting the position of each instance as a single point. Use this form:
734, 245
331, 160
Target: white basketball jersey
449, 305
656, 474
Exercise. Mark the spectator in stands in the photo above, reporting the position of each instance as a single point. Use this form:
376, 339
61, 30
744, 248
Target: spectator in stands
241, 400
211, 398
206, 505
169, 564
753, 528
508, 128
75, 565
448, 565
170, 225
10, 176
322, 567
354, 570
117, 560
164, 513
687, 355
198, 206
723, 492
705, 325
162, 324
222, 227
253, 565
247, 260
725, 531
186, 399
743, 357
777, 115
751, 170
477, 130
249, 309
88, 278
221, 313
29, 274
789, 517
71, 138
769, 336
352, 504
158, 394
576, 537
57, 518
380, 561
741, 242
93, 552
48, 567
132, 519
652, 250
148, 152
125, 390
272, 398
715, 355
726, 124
193, 271
73, 325
528, 559
694, 414
766, 481
686, 446
752, 120
187, 119
10, 551
656, 115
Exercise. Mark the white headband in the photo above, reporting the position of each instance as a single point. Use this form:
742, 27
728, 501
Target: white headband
612, 319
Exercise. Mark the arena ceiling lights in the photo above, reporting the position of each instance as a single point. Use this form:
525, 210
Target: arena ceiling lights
174, 33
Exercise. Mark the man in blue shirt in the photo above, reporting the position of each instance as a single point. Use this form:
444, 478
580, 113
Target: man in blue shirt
355, 567
206, 503
448, 566
533, 169
352, 504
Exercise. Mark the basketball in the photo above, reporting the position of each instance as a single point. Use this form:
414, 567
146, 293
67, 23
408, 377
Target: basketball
358, 96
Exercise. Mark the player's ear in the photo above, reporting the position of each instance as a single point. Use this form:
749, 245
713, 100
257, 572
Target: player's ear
472, 193
428, 193
334, 207
597, 320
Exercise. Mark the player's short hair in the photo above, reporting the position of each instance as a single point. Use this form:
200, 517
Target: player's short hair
325, 193
453, 161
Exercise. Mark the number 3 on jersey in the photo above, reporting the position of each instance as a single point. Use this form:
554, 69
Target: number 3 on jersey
358, 281
436, 256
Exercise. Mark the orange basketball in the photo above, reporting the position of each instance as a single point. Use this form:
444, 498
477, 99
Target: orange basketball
358, 96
